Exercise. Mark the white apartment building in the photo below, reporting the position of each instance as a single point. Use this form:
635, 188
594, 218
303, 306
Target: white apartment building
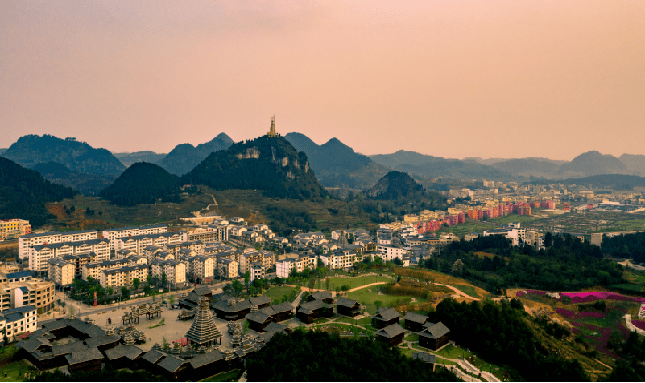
61, 272
39, 255
140, 242
202, 267
123, 276
388, 253
134, 231
210, 234
175, 271
18, 321
94, 269
30, 240
340, 259
266, 258
227, 268
256, 271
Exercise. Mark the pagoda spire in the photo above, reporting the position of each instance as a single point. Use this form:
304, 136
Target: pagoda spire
272, 132
203, 331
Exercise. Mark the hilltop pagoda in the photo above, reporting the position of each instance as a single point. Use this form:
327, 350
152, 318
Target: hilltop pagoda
272, 132
203, 331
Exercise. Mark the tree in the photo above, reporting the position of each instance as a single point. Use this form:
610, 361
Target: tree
247, 278
110, 290
378, 304
458, 267
327, 284
164, 279
398, 261
171, 300
125, 292
135, 283
237, 287
548, 239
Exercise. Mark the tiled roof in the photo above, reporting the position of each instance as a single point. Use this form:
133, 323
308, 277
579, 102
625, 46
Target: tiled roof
309, 307
386, 314
121, 350
63, 349
171, 363
434, 330
82, 356
424, 356
206, 359
342, 301
414, 317
102, 340
153, 356
261, 300
391, 331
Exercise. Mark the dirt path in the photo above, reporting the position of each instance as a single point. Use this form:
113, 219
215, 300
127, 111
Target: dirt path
458, 292
364, 286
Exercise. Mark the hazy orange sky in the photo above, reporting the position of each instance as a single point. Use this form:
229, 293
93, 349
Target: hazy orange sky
448, 78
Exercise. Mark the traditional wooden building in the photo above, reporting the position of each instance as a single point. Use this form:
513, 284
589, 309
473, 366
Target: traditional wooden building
310, 311
324, 296
232, 309
104, 342
348, 307
86, 360
207, 364
385, 317
261, 302
175, 368
414, 322
203, 331
426, 358
260, 319
434, 336
391, 335
123, 356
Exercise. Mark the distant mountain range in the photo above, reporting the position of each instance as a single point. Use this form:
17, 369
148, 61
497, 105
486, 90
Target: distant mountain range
77, 156
269, 164
24, 192
128, 159
433, 167
336, 164
89, 170
602, 181
184, 157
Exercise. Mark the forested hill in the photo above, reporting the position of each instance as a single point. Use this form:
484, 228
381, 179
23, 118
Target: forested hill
394, 185
24, 192
143, 183
77, 156
336, 164
184, 157
87, 184
269, 164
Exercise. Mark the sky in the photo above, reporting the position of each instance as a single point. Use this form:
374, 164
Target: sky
446, 78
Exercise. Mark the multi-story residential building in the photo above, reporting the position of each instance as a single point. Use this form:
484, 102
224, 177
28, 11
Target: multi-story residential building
266, 258
13, 228
61, 272
388, 253
175, 271
134, 231
95, 269
227, 268
30, 240
140, 242
210, 234
19, 320
40, 254
123, 276
20, 289
340, 260
202, 267
257, 271
283, 267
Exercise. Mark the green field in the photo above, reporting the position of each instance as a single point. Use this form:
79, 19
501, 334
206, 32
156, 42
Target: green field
369, 295
276, 292
469, 290
354, 282
15, 370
